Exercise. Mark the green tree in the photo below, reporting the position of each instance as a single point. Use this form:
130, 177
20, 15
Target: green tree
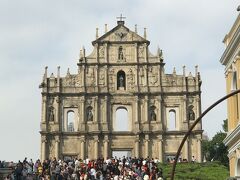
214, 149
225, 125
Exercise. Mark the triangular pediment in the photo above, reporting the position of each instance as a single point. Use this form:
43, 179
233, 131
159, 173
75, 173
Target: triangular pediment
120, 34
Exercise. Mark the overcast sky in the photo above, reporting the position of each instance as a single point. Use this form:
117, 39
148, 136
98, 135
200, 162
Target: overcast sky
36, 33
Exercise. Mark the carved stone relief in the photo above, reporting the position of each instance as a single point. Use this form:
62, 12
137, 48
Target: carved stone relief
101, 51
69, 81
90, 77
153, 76
102, 77
141, 51
142, 75
131, 79
78, 80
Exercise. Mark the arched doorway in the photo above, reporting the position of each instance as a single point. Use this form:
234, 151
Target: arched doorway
122, 120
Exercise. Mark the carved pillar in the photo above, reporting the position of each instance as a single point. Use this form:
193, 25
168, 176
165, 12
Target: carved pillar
136, 148
105, 147
96, 147
146, 145
82, 145
57, 141
82, 114
160, 149
43, 147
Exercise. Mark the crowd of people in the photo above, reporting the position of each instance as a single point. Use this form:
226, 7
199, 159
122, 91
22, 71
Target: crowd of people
78, 169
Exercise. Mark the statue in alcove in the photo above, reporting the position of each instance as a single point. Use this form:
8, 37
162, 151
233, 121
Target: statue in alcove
153, 115
89, 114
121, 81
51, 113
191, 114
120, 53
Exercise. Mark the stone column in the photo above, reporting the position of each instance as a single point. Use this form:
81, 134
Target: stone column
160, 148
96, 75
57, 141
44, 108
146, 145
105, 147
186, 150
82, 144
136, 52
43, 147
136, 148
199, 144
84, 77
136, 123
57, 109
106, 52
95, 109
96, 147
146, 108
146, 54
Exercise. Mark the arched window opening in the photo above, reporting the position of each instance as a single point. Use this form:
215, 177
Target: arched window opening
121, 80
172, 120
122, 121
70, 121
120, 53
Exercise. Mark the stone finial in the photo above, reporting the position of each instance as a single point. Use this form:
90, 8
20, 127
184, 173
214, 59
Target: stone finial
190, 74
58, 71
52, 76
145, 33
81, 54
83, 50
196, 70
96, 33
159, 53
68, 71
136, 28
45, 73
184, 70
106, 28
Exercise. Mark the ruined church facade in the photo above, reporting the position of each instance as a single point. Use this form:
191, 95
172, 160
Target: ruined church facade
80, 112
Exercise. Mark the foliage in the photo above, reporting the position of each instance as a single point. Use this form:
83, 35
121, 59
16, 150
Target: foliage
196, 171
225, 125
215, 150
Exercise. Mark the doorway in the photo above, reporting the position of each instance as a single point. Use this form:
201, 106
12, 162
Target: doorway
121, 153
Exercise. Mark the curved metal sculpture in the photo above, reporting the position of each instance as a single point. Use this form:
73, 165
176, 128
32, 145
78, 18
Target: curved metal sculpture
194, 124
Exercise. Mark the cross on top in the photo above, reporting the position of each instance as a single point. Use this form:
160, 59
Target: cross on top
121, 17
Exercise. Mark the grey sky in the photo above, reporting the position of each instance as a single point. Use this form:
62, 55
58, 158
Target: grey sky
37, 33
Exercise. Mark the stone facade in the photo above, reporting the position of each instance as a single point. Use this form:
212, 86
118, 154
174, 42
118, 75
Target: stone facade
120, 74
